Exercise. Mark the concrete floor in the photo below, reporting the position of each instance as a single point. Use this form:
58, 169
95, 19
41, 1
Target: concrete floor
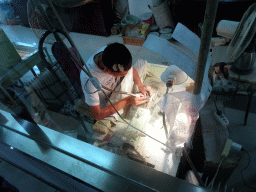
87, 45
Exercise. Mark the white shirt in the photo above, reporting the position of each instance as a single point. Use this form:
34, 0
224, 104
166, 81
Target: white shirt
98, 98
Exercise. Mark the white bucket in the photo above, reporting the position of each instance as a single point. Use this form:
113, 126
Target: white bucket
157, 2
227, 28
154, 33
166, 36
162, 15
148, 18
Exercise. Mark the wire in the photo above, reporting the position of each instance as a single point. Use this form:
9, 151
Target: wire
131, 124
85, 88
164, 122
215, 103
211, 184
241, 171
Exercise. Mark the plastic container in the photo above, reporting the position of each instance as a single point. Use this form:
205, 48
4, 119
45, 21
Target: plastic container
157, 2
166, 30
154, 33
155, 28
148, 18
134, 40
128, 20
162, 15
166, 36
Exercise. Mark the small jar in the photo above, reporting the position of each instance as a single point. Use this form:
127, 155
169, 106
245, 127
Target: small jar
154, 28
115, 30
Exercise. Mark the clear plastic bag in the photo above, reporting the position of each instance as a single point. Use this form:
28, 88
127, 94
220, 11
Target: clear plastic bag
182, 111
6, 11
135, 32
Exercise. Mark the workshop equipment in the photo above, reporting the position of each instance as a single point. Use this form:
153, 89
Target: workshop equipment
38, 25
244, 64
133, 154
241, 49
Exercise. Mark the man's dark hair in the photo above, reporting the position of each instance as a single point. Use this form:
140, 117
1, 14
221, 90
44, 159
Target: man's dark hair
116, 53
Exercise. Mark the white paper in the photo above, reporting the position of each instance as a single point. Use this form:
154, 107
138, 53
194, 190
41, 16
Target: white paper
187, 38
218, 54
172, 53
138, 8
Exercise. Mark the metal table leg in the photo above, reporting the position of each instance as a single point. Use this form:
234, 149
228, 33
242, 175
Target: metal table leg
248, 107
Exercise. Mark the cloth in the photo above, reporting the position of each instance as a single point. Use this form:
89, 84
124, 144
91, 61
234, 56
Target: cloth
98, 98
93, 98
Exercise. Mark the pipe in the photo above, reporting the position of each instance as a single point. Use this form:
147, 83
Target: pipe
209, 20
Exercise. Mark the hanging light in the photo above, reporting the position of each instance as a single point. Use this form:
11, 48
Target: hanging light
175, 75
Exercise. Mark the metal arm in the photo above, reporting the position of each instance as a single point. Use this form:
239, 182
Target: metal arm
209, 19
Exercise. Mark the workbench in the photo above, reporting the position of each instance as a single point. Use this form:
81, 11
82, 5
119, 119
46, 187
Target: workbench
245, 83
149, 119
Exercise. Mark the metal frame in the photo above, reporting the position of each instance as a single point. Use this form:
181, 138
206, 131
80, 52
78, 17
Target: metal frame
94, 166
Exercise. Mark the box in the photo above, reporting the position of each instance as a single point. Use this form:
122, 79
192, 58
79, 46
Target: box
133, 40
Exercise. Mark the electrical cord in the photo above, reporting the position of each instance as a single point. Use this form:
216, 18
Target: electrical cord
86, 89
168, 85
131, 124
212, 182
216, 104
241, 171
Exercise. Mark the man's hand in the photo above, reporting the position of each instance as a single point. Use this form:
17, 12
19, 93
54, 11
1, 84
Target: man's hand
138, 100
146, 89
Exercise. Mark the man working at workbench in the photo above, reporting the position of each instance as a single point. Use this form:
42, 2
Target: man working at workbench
111, 65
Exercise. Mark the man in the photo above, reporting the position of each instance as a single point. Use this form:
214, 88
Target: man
110, 64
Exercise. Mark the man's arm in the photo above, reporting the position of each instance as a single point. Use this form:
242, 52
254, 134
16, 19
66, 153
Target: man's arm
137, 81
101, 113
143, 89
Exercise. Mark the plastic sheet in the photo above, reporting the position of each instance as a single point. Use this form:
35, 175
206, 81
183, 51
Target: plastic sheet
181, 108
135, 32
6, 11
182, 111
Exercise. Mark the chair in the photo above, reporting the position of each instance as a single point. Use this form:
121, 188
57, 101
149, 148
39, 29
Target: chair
70, 68
72, 71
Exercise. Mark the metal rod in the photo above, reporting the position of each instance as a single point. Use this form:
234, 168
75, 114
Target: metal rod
209, 19
7, 94
206, 181
219, 186
48, 55
93, 164
248, 106
201, 183
70, 40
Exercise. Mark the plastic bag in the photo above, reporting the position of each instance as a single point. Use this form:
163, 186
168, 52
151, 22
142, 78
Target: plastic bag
135, 32
6, 11
182, 111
